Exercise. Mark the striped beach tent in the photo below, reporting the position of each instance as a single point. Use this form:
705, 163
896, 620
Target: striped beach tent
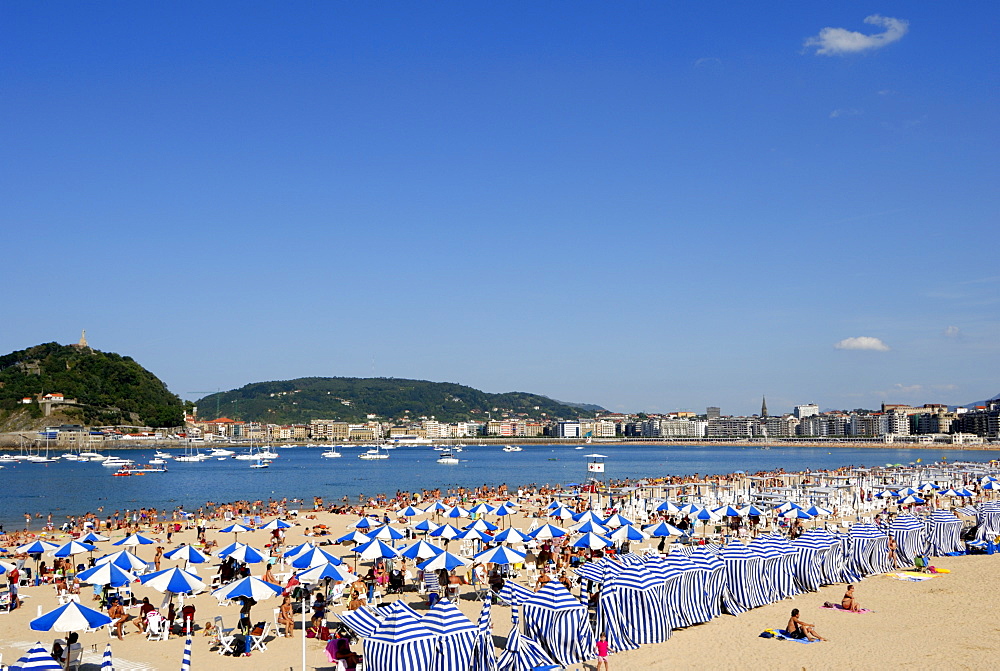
786, 584
943, 533
911, 537
670, 577
869, 550
830, 553
771, 568
715, 579
484, 655
988, 521
401, 642
686, 596
557, 620
611, 620
521, 653
514, 594
743, 584
455, 637
640, 599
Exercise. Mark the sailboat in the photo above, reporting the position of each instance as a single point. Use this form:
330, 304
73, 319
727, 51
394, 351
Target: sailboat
373, 454
332, 453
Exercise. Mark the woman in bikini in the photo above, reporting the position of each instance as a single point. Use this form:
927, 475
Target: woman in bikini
849, 602
796, 628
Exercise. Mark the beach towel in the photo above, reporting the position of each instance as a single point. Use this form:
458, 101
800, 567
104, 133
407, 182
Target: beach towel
782, 635
911, 576
844, 610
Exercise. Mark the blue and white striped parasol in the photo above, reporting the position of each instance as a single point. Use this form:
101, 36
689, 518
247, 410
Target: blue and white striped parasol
482, 509
446, 531
188, 553
663, 530
123, 559
70, 617
134, 540
386, 533
374, 549
591, 526
106, 574
668, 507
174, 580
455, 512
276, 523
313, 558
363, 523
355, 536
73, 548
410, 511
511, 535
323, 571
37, 659
92, 537
627, 533
499, 555
545, 532
37, 547
482, 525
421, 550
235, 529
426, 525
242, 553
107, 661
445, 560
592, 541
616, 521
251, 587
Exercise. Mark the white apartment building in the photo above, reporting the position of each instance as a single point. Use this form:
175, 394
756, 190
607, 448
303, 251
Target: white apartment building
568, 430
807, 410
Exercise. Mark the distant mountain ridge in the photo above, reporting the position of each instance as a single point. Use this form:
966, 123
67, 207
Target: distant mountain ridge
388, 399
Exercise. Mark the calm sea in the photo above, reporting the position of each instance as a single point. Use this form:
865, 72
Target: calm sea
70, 488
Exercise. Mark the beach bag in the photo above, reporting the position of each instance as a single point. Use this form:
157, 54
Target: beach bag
766, 634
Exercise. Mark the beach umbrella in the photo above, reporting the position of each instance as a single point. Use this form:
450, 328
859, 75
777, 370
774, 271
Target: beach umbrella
445, 560
786, 506
991, 485
73, 548
482, 525
323, 571
134, 540
906, 491
592, 541
964, 492
688, 508
174, 581
364, 523
816, 511
276, 524
562, 513
410, 511
627, 533
313, 558
421, 550
752, 511
588, 516
474, 534
185, 658
505, 508
189, 553
242, 553
948, 492
374, 549
434, 507
250, 587
928, 487
107, 573
124, 559
93, 538
796, 514
386, 533
235, 529
499, 555
456, 511
482, 509
426, 525
107, 661
36, 547
511, 535
668, 507
663, 530
728, 511
294, 552
705, 515
353, 537
553, 505
546, 531
616, 521
884, 494
37, 659
907, 500
591, 526
70, 617
446, 531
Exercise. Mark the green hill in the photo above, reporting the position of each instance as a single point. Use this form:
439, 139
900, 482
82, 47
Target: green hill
107, 388
389, 399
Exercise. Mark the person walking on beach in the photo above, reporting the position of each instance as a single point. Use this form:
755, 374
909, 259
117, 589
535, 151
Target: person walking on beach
602, 653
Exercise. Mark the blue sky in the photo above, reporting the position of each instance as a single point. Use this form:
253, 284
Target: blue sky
649, 206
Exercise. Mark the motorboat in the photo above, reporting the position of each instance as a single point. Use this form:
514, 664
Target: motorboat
220, 452
447, 458
260, 463
513, 448
117, 462
160, 454
156, 461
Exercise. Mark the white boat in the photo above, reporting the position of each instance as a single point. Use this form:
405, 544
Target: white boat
156, 461
373, 454
190, 455
160, 454
220, 452
268, 454
447, 458
513, 448
260, 463
332, 453
117, 462
7, 458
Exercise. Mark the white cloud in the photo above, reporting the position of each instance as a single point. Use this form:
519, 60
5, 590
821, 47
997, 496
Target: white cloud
952, 332
838, 41
844, 112
863, 342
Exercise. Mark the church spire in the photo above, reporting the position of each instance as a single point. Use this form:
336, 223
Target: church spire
763, 406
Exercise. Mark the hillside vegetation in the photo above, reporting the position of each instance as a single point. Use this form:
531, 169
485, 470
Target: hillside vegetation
109, 389
353, 399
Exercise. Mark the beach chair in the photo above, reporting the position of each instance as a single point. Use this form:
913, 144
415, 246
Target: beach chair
258, 642
921, 564
157, 627
277, 625
224, 638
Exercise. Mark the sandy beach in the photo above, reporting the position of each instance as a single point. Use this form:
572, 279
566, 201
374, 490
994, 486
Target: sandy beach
950, 620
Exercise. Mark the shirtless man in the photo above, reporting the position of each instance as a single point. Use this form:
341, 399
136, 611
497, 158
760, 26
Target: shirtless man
796, 628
